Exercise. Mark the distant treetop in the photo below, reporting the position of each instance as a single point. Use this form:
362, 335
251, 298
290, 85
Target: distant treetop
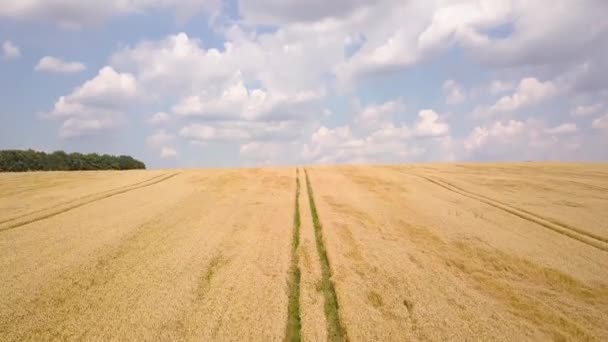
30, 160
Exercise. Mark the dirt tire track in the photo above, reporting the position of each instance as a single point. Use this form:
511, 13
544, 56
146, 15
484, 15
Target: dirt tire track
590, 239
590, 186
47, 186
98, 197
96, 194
565, 226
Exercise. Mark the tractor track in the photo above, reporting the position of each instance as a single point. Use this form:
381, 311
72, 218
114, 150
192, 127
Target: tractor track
588, 238
590, 186
82, 201
335, 329
50, 186
81, 198
294, 319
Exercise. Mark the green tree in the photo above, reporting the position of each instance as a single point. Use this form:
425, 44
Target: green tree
30, 160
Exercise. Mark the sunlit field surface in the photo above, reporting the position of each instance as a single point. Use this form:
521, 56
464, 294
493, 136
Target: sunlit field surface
387, 253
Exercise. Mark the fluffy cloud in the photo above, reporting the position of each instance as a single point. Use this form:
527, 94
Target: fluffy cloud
521, 140
340, 145
252, 91
499, 87
263, 152
160, 141
530, 91
334, 145
430, 125
565, 128
286, 73
268, 87
202, 133
387, 142
581, 111
109, 91
270, 12
539, 34
175, 65
499, 131
242, 131
160, 138
238, 101
53, 64
168, 152
159, 118
10, 50
601, 122
496, 33
389, 43
432, 27
339, 135
454, 92
463, 21
396, 52
242, 81
375, 116
74, 127
382, 119
97, 104
77, 13
287, 61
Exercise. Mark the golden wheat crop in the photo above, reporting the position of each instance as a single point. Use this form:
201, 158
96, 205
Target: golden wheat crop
387, 253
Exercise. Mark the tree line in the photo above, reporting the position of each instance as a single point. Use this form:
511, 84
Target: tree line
30, 160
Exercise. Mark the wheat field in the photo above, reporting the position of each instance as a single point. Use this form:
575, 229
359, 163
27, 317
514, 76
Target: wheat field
326, 253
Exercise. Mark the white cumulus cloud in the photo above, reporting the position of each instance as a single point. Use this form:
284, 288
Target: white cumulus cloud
380, 143
430, 125
601, 122
159, 138
97, 104
565, 128
238, 101
168, 152
54, 64
377, 115
265, 153
159, 118
499, 87
79, 13
454, 92
530, 91
265, 89
522, 140
10, 50
74, 127
587, 110
499, 131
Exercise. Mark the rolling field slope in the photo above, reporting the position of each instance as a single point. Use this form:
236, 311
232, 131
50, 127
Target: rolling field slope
359, 253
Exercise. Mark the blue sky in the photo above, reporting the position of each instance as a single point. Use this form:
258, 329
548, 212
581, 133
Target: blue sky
200, 83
